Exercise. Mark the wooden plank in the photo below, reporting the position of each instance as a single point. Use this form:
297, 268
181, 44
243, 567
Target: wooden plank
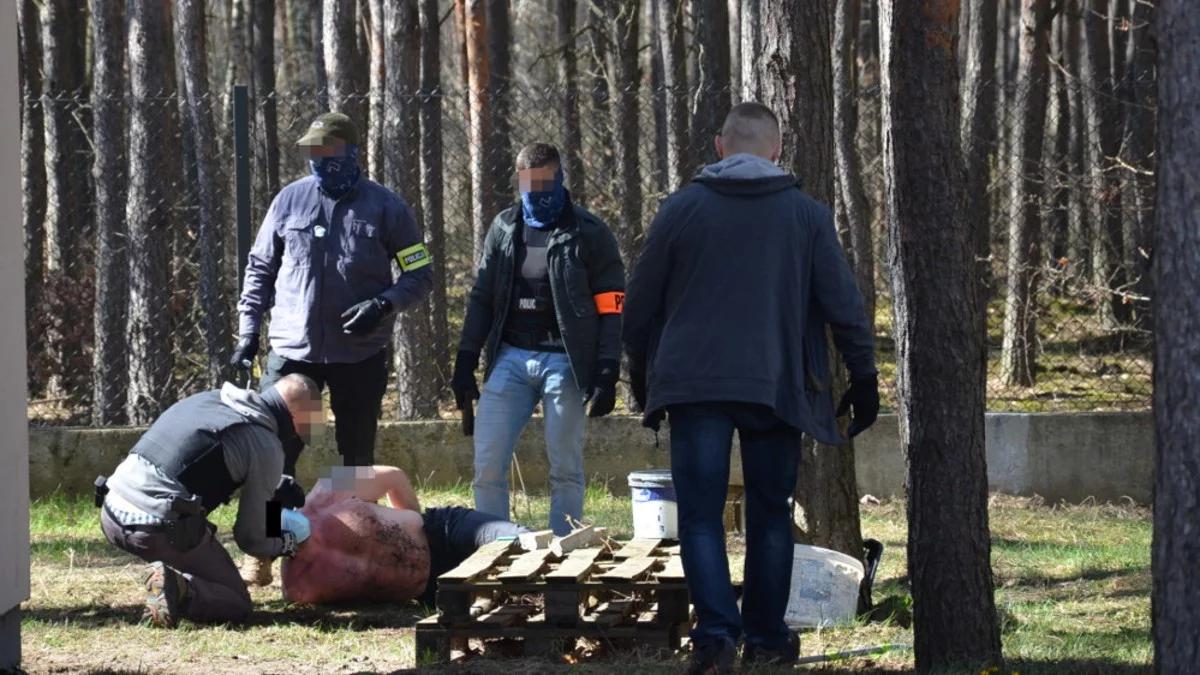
672, 570
526, 566
631, 569
533, 541
507, 615
479, 562
637, 548
669, 550
578, 538
613, 613
577, 566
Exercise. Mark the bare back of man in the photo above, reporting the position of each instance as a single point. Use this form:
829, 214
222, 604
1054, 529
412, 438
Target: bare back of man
360, 550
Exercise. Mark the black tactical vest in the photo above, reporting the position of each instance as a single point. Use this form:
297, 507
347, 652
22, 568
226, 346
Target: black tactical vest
185, 444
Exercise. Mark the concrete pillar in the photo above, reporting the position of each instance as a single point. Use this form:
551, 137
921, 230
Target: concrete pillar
14, 429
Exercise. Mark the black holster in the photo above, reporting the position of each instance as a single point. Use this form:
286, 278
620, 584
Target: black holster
186, 532
101, 484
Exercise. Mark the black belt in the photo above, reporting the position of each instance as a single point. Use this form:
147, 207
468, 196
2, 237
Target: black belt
535, 341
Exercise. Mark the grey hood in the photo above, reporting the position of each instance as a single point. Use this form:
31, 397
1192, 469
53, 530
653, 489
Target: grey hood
250, 404
742, 166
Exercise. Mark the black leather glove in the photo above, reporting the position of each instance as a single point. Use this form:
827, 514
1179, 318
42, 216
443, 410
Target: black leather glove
603, 396
245, 351
289, 494
637, 386
863, 397
463, 382
365, 316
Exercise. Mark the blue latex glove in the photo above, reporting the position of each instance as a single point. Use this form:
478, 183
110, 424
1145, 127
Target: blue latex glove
295, 522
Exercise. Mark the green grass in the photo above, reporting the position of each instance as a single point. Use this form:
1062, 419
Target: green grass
1073, 586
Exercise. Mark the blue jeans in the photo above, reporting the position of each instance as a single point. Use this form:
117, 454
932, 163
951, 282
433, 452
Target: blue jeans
701, 439
518, 381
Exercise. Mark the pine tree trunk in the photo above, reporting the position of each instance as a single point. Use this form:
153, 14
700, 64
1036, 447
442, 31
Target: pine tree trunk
623, 18
978, 115
670, 28
568, 79
192, 43
148, 212
375, 137
110, 371
1018, 359
479, 72
601, 113
432, 184
1139, 149
1079, 227
33, 185
417, 381
1101, 144
1176, 599
658, 98
341, 55
320, 76
714, 87
855, 219
940, 350
499, 149
733, 9
266, 122
1058, 143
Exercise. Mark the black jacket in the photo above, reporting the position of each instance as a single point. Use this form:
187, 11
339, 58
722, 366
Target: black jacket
584, 262
729, 301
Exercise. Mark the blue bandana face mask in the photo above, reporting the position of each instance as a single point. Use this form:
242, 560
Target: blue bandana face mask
541, 208
337, 175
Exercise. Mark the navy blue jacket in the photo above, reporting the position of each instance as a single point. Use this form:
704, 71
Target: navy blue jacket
740, 276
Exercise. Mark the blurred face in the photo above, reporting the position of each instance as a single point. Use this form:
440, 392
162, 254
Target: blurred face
539, 179
309, 420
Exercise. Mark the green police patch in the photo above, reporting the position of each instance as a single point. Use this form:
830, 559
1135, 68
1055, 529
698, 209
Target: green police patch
413, 258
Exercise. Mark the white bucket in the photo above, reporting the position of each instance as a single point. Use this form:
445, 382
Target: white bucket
655, 513
824, 588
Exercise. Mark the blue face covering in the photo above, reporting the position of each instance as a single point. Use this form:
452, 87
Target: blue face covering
337, 175
542, 208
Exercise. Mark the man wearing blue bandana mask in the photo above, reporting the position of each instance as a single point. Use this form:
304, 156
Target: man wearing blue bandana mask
337, 258
546, 310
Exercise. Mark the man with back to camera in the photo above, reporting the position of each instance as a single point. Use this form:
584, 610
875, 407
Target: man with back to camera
322, 266
546, 310
190, 461
725, 327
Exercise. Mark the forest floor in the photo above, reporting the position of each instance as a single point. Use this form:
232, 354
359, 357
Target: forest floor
1072, 587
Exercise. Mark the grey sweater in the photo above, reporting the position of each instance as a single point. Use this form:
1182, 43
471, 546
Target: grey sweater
254, 457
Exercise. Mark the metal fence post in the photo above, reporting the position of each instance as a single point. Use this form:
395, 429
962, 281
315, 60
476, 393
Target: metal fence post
241, 144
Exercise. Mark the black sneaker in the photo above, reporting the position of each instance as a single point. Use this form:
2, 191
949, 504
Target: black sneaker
712, 658
780, 656
167, 593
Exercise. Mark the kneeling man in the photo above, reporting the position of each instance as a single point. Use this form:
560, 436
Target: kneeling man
360, 550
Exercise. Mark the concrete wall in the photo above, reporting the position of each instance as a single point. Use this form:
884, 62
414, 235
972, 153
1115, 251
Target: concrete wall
14, 478
1070, 457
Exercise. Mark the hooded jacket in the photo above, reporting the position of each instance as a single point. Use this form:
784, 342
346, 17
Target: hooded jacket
254, 457
740, 277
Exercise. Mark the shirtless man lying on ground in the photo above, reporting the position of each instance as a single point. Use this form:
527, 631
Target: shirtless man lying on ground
360, 550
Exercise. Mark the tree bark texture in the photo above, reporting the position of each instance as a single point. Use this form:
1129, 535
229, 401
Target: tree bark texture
1139, 150
500, 151
978, 115
110, 374
375, 137
568, 79
714, 88
1176, 597
320, 75
432, 185
484, 204
601, 112
1102, 120
623, 21
266, 121
33, 183
855, 219
148, 212
416, 375
670, 29
1018, 359
658, 98
340, 34
733, 9
940, 350
1079, 250
192, 43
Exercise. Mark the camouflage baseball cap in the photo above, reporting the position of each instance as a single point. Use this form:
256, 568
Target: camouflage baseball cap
328, 128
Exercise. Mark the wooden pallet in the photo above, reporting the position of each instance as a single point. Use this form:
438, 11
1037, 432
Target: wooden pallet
635, 594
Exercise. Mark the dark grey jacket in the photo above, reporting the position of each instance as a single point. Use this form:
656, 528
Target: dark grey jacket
740, 276
584, 262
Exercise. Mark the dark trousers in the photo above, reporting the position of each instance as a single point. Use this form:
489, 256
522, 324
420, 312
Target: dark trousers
217, 591
355, 393
454, 533
701, 439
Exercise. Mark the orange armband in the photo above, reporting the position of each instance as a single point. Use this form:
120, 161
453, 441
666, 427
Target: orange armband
609, 303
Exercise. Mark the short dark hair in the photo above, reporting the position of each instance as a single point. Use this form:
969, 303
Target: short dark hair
750, 127
537, 155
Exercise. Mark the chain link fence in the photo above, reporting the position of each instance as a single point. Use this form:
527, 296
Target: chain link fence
132, 278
